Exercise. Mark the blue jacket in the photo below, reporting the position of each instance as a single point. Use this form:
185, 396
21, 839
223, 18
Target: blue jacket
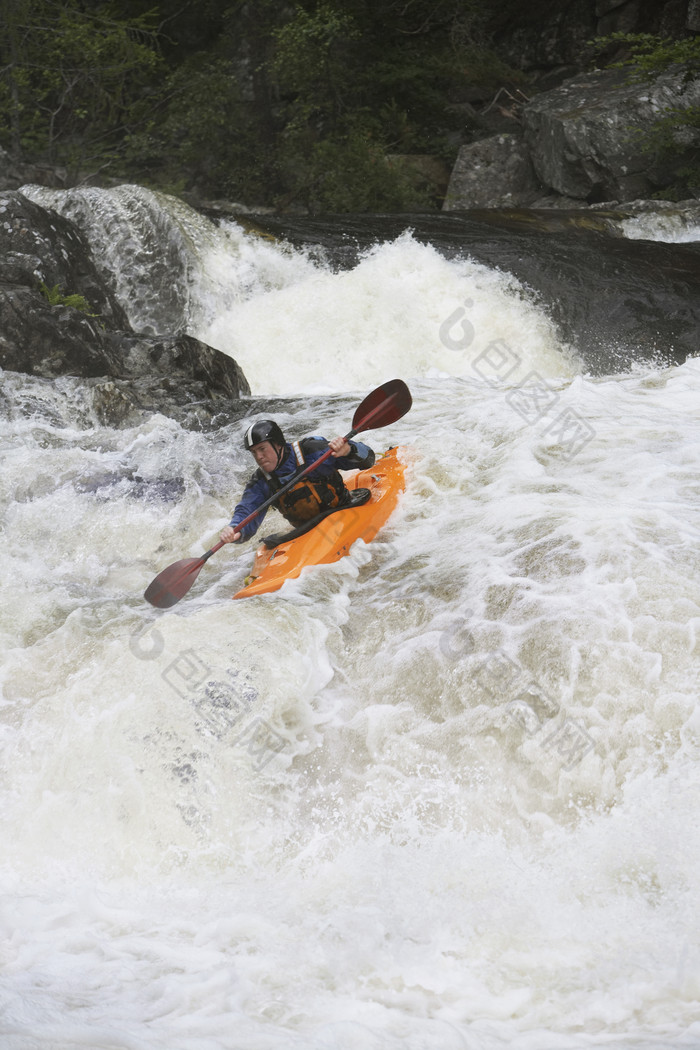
259, 488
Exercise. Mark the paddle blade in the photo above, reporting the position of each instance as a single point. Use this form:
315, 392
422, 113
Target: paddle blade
383, 406
172, 583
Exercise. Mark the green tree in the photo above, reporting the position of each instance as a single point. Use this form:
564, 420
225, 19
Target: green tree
211, 126
358, 80
296, 102
198, 133
71, 72
313, 63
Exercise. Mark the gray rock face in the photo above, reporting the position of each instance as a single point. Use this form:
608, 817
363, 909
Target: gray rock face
582, 144
125, 402
45, 340
180, 356
493, 173
38, 246
583, 136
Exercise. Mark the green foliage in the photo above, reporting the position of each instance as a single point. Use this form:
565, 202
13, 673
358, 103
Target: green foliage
70, 74
647, 55
192, 124
311, 52
357, 81
254, 100
55, 297
348, 172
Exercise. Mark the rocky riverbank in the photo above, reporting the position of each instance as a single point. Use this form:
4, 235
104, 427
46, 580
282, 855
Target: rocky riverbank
58, 317
576, 145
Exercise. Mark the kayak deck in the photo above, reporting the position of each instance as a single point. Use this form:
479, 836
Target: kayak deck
333, 537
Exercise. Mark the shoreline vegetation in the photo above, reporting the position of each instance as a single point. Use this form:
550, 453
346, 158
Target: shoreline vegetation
329, 106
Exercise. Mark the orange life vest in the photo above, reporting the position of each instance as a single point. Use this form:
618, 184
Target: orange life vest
316, 492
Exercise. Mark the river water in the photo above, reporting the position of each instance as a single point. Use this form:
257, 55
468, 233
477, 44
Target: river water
442, 795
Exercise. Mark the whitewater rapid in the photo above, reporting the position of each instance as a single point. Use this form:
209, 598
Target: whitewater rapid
442, 794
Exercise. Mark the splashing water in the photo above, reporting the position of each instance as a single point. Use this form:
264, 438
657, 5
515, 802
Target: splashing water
443, 793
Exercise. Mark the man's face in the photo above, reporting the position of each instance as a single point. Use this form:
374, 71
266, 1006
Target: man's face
265, 456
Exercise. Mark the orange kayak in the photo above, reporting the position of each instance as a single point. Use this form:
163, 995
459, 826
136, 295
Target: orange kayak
333, 537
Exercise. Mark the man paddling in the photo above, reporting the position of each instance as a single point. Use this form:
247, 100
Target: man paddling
382, 406
278, 461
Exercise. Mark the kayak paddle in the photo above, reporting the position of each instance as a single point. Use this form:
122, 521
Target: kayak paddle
383, 406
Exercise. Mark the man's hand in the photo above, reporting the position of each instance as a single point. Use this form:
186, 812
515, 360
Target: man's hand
339, 447
229, 535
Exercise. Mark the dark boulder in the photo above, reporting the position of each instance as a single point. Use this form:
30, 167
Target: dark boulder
495, 172
45, 340
84, 403
584, 136
38, 246
179, 356
45, 260
128, 402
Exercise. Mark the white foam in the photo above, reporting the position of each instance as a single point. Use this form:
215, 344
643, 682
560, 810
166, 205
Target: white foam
674, 227
403, 306
442, 794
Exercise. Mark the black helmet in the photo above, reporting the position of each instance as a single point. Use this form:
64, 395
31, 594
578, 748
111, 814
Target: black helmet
263, 430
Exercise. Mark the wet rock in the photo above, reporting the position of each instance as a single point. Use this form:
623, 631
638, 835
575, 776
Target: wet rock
71, 401
178, 357
125, 484
112, 404
44, 260
38, 246
122, 403
584, 139
46, 340
493, 173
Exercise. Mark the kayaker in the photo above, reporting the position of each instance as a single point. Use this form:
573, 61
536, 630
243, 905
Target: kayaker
278, 460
